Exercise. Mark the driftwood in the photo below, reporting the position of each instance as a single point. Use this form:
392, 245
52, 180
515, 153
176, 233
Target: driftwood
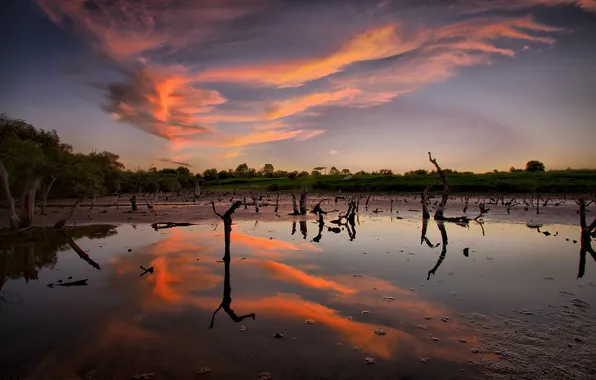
164, 225
226, 302
62, 222
12, 214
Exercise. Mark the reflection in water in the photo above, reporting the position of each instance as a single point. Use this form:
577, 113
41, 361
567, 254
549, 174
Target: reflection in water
226, 302
27, 252
444, 242
303, 229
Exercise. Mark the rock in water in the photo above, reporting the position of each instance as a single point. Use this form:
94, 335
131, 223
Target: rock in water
380, 332
143, 376
204, 371
369, 360
309, 322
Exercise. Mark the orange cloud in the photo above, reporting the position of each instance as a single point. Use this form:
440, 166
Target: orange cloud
376, 43
285, 272
297, 104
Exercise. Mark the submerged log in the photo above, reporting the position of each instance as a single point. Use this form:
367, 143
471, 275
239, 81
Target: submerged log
82, 254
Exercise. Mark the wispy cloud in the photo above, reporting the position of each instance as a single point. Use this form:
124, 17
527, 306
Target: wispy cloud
193, 102
333, 151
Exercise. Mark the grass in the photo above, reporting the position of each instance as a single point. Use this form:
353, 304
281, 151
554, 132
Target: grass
560, 181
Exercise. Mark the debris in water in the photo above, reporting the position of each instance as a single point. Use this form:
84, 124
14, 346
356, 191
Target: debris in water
204, 371
369, 360
475, 350
549, 278
462, 340
411, 289
364, 312
349, 318
410, 253
129, 250
546, 233
580, 304
579, 340
489, 257
427, 317
387, 298
357, 275
146, 270
309, 322
264, 376
278, 335
435, 338
380, 332
421, 327
423, 360
466, 252
243, 328
445, 319
566, 293
524, 312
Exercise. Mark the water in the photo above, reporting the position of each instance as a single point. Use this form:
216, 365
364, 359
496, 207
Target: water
122, 323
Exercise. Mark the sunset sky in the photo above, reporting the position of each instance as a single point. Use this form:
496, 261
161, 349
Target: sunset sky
357, 84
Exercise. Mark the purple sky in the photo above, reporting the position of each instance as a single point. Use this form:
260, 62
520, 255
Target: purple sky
298, 84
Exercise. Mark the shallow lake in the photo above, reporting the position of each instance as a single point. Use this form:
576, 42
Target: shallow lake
336, 297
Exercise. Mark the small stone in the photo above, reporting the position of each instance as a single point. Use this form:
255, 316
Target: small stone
364, 312
435, 338
428, 318
339, 344
278, 335
462, 340
386, 298
242, 328
204, 371
369, 360
421, 327
410, 253
411, 289
349, 318
445, 319
423, 360
489, 258
380, 332
475, 350
357, 275
309, 322
129, 250
264, 376
579, 340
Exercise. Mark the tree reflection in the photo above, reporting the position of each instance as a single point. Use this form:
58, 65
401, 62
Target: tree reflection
24, 254
444, 242
585, 239
226, 301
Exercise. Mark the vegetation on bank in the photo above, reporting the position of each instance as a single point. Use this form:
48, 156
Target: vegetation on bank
29, 153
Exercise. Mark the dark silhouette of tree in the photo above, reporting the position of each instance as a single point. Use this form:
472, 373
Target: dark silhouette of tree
534, 166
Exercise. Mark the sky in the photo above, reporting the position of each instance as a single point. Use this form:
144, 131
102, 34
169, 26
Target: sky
356, 84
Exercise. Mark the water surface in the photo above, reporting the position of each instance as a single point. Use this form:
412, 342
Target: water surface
348, 282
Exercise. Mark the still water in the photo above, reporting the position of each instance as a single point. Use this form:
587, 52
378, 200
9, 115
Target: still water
336, 297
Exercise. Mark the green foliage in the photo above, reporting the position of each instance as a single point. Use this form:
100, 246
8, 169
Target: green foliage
333, 171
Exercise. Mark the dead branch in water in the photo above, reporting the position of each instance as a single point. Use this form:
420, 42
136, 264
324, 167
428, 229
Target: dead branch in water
82, 254
303, 202
483, 210
439, 214
164, 225
12, 214
424, 201
226, 302
62, 222
133, 202
317, 209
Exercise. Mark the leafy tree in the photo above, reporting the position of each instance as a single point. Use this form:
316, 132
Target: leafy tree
268, 170
210, 174
345, 172
333, 171
303, 173
534, 166
315, 173
361, 172
386, 172
242, 170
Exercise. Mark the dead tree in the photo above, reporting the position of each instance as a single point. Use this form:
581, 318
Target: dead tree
423, 238
303, 202
294, 206
133, 202
439, 214
424, 201
466, 206
12, 214
226, 302
317, 209
483, 210
62, 222
585, 238
276, 203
